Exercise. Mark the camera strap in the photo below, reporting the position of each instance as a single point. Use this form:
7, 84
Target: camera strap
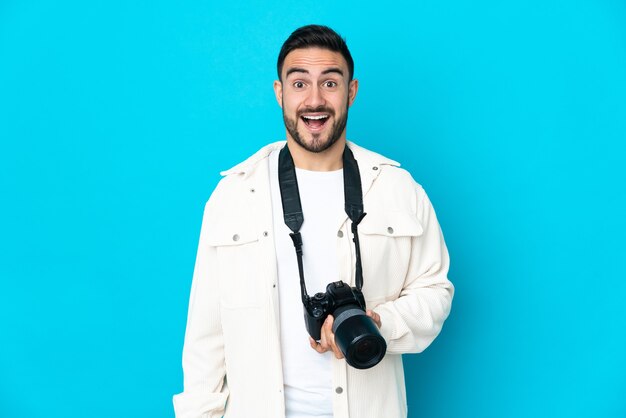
292, 207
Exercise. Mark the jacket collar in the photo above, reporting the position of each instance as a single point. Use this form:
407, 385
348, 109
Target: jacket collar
368, 161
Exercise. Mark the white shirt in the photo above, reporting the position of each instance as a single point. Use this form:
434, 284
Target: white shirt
307, 374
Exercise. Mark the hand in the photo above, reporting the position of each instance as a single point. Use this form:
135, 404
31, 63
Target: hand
327, 340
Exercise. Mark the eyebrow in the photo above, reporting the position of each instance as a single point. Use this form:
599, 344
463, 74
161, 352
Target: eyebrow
335, 70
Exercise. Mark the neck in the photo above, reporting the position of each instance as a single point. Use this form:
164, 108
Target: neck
327, 160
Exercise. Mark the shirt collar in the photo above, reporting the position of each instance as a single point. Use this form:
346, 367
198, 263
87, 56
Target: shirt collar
365, 158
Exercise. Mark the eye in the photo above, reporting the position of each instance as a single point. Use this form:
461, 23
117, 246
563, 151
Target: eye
298, 84
330, 84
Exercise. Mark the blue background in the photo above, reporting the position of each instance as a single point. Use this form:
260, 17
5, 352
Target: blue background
116, 117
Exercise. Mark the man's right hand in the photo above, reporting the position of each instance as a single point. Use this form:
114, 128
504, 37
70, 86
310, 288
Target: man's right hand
327, 340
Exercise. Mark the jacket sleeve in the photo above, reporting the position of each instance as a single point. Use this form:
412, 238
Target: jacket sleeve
412, 321
205, 392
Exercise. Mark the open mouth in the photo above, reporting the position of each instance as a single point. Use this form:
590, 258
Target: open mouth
315, 122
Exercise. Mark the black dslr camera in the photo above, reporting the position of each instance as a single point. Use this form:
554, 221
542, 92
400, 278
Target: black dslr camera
356, 334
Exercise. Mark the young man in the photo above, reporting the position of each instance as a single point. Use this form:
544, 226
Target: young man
247, 350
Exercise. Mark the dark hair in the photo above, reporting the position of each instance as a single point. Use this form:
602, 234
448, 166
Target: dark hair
312, 36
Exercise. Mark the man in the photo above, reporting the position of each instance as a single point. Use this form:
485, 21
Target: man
247, 351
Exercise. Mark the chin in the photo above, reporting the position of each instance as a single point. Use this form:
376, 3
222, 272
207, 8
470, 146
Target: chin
317, 145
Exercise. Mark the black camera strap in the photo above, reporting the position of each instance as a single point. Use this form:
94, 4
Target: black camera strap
292, 207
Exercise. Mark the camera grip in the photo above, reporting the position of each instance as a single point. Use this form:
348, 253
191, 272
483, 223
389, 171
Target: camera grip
314, 324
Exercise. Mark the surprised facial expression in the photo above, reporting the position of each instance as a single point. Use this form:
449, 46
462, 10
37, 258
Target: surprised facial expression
315, 94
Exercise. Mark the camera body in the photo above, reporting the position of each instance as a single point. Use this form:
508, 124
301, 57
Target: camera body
356, 334
320, 305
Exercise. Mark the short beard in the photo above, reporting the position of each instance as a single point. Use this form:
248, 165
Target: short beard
317, 145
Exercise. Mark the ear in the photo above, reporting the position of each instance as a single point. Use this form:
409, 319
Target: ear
278, 91
353, 88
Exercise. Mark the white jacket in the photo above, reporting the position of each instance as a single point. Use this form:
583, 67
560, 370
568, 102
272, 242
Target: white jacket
231, 356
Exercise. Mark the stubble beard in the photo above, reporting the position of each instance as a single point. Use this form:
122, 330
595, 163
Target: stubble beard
317, 144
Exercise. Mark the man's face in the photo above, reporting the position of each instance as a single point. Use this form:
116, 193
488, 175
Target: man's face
315, 94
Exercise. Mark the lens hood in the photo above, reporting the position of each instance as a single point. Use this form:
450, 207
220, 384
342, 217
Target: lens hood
358, 338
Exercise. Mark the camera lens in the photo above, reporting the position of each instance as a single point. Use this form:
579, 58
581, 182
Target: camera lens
358, 337
365, 350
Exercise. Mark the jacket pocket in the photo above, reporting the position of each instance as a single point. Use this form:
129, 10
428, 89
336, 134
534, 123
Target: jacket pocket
237, 248
386, 239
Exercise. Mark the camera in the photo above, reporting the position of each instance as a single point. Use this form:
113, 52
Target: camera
356, 334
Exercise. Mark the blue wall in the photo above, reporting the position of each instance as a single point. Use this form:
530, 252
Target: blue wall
115, 118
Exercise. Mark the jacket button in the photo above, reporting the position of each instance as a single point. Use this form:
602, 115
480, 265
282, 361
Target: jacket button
235, 237
339, 390
390, 230
265, 233
340, 234
252, 190
374, 168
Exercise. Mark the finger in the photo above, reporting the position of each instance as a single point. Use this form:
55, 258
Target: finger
315, 345
328, 324
330, 337
336, 350
375, 317
324, 343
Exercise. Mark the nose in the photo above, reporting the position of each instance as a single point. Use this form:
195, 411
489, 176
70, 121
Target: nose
315, 97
